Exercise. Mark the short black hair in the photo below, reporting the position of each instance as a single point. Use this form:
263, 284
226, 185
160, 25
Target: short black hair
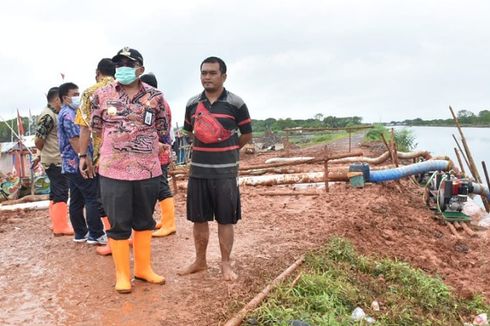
222, 65
52, 94
150, 79
106, 67
65, 89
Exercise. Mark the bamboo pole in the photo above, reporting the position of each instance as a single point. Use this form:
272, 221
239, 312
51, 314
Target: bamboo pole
468, 231
459, 160
287, 143
462, 153
325, 166
393, 144
350, 140
484, 166
388, 148
313, 160
238, 318
473, 169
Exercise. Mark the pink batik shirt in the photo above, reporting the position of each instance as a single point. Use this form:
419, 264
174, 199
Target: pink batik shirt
130, 129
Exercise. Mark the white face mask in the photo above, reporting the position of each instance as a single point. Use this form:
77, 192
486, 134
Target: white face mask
75, 102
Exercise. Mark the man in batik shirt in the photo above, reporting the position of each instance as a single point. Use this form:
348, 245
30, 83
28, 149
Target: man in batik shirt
130, 116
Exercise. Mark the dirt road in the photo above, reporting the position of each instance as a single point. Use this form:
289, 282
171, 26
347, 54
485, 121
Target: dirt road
54, 281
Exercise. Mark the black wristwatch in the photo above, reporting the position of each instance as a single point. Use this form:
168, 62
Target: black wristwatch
82, 155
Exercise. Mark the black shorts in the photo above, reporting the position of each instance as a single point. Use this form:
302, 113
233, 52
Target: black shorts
209, 199
129, 204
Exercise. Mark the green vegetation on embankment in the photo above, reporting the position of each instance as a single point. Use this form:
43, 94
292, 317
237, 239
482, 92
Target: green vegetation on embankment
335, 280
404, 139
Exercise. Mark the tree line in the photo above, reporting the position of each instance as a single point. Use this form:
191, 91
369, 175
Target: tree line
318, 121
465, 117
5, 133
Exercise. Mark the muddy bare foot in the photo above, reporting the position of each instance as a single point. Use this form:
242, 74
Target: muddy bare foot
228, 274
193, 268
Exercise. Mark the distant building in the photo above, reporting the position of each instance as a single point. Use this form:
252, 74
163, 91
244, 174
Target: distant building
15, 156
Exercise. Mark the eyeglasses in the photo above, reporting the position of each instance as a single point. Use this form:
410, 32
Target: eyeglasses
124, 63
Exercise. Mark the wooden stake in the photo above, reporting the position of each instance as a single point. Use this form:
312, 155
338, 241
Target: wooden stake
484, 166
458, 226
453, 230
388, 148
350, 139
462, 153
468, 231
238, 318
393, 144
459, 160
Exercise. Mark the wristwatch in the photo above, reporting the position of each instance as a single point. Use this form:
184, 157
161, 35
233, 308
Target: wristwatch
80, 155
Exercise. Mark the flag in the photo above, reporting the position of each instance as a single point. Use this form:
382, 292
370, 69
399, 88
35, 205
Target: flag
62, 76
20, 126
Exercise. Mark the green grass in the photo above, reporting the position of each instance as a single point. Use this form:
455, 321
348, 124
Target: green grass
336, 280
318, 138
404, 139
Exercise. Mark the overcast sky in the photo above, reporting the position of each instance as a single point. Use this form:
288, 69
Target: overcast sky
381, 60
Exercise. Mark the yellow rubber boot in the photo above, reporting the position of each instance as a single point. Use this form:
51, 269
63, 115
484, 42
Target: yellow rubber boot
142, 258
59, 219
167, 223
120, 256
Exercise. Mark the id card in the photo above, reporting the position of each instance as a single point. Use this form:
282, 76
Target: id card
148, 118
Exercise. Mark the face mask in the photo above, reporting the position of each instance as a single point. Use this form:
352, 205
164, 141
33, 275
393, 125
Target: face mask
75, 102
125, 75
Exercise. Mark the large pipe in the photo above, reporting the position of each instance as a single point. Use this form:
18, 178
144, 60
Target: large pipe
382, 158
408, 170
480, 189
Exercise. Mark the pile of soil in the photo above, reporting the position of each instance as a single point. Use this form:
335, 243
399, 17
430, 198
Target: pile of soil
52, 280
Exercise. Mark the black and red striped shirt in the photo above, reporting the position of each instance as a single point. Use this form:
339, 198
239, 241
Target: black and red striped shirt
219, 160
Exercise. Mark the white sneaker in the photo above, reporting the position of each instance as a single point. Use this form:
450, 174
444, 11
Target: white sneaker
79, 239
102, 240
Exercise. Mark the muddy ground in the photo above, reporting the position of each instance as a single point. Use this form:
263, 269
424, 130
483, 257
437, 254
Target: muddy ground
53, 281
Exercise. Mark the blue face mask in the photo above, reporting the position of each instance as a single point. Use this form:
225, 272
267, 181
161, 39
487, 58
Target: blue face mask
125, 75
75, 102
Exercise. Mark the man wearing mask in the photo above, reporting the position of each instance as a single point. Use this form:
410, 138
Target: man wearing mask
46, 141
104, 75
83, 192
130, 116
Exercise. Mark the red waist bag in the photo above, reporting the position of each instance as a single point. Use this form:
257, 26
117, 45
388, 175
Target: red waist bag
207, 128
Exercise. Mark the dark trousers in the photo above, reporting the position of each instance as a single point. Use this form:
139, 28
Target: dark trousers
58, 184
129, 205
164, 191
102, 212
83, 192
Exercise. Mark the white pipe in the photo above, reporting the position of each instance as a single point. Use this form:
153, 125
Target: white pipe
33, 205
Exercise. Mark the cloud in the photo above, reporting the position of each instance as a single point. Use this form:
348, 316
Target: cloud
381, 60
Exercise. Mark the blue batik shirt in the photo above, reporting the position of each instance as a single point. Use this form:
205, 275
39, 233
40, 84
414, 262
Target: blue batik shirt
67, 129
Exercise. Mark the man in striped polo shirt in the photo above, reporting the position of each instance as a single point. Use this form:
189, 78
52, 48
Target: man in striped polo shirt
212, 191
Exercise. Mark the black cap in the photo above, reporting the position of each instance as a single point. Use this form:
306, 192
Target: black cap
129, 53
149, 79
